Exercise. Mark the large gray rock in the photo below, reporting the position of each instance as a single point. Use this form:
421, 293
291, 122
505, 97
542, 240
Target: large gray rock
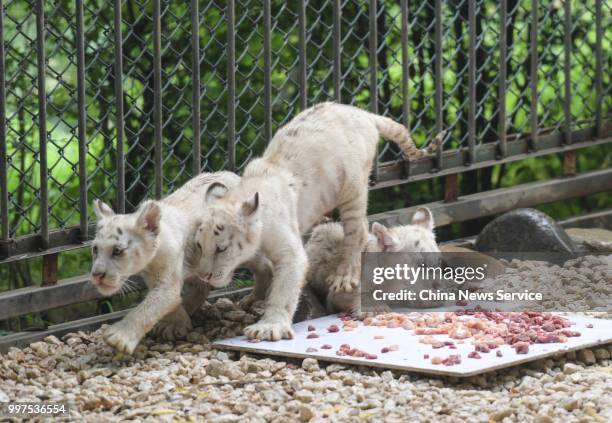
524, 230
309, 306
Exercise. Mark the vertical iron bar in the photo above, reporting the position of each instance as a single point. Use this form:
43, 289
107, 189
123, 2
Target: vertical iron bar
231, 86
569, 163
119, 124
337, 50
373, 41
4, 218
451, 188
438, 75
598, 69
268, 69
534, 75
405, 64
195, 88
302, 52
567, 67
80, 48
49, 269
503, 83
471, 82
42, 122
157, 98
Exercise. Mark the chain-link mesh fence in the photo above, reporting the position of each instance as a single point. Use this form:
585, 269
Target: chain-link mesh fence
228, 74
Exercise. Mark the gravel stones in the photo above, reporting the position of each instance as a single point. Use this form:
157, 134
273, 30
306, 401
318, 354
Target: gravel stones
310, 365
192, 381
578, 285
304, 395
601, 353
586, 356
591, 239
306, 413
498, 416
215, 368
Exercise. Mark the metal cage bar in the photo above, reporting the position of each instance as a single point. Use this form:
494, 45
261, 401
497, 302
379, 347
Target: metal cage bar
157, 92
267, 70
337, 34
231, 85
503, 77
82, 120
567, 71
195, 88
472, 82
119, 116
405, 64
4, 199
438, 72
42, 122
373, 61
533, 82
302, 55
598, 67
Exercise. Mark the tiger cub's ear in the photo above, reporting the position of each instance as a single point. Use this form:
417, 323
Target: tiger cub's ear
102, 209
215, 191
249, 207
386, 241
423, 217
149, 218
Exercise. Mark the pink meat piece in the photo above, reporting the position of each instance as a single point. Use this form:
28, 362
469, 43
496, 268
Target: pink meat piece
521, 347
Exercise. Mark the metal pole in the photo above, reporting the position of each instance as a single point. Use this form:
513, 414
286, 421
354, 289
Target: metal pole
598, 69
302, 53
567, 68
503, 77
195, 88
534, 75
42, 122
439, 78
231, 86
471, 83
119, 118
157, 99
337, 51
268, 70
82, 128
4, 201
405, 64
373, 41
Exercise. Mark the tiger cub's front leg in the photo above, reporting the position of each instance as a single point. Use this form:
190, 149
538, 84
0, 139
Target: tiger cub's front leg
164, 296
290, 264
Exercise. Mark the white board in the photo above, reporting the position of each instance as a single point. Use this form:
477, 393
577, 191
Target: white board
409, 356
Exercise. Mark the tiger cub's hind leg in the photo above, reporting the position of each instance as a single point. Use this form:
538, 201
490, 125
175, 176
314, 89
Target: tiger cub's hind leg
354, 223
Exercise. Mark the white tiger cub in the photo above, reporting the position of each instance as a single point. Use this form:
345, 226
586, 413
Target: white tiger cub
319, 161
326, 239
151, 242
